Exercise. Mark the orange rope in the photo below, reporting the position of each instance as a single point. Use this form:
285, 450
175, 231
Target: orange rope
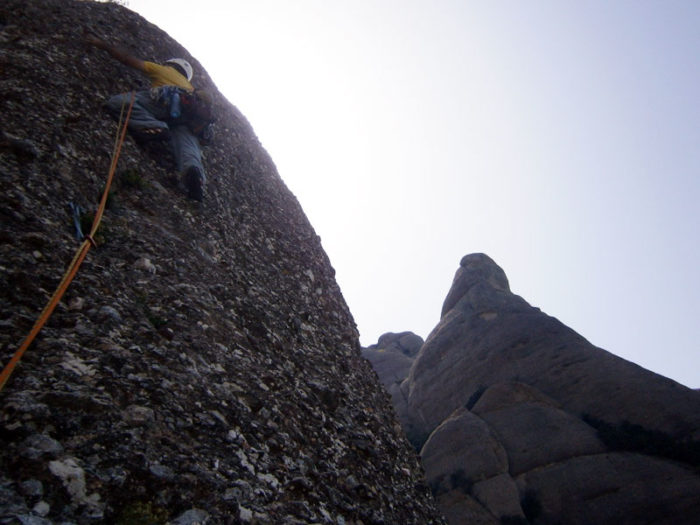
77, 259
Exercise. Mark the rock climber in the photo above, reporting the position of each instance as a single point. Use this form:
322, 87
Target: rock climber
171, 109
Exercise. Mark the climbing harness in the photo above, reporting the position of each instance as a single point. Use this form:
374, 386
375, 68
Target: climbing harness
89, 240
193, 109
169, 97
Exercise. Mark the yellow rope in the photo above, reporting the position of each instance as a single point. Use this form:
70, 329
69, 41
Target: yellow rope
79, 256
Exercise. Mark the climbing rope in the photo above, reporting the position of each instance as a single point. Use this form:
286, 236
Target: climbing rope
80, 254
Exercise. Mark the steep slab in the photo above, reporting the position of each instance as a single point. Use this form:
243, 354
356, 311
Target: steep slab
204, 365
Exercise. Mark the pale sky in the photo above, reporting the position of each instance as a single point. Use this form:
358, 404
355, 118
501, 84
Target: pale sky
560, 137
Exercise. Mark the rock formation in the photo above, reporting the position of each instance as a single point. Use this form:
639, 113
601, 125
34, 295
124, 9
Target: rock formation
203, 366
392, 358
521, 420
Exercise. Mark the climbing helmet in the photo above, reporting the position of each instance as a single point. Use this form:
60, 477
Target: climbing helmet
182, 64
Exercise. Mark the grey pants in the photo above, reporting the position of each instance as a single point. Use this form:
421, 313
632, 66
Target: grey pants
147, 113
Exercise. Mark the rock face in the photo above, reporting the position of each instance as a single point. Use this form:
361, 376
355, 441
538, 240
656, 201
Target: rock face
203, 366
521, 420
392, 358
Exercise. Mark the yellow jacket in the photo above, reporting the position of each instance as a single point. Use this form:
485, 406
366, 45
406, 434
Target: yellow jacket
165, 76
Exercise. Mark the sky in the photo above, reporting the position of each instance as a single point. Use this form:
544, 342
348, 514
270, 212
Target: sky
560, 137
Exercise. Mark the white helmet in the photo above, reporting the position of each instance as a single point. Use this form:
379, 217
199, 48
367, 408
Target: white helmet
182, 64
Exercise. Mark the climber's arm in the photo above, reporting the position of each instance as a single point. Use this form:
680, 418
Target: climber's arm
120, 54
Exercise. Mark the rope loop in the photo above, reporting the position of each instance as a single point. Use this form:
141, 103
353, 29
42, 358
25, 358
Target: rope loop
91, 240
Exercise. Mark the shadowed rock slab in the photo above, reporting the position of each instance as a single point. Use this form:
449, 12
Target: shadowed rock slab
463, 449
504, 395
535, 435
463, 509
614, 488
500, 494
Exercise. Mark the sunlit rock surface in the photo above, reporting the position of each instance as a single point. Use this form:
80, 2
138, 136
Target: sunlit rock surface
203, 367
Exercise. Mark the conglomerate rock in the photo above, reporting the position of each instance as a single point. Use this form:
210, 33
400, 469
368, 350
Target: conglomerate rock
203, 366
521, 420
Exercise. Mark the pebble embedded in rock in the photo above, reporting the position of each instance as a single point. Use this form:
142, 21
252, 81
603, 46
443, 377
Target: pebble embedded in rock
191, 517
41, 509
39, 446
108, 313
146, 265
32, 488
136, 415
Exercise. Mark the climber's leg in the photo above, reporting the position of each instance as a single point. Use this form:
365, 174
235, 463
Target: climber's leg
147, 115
188, 159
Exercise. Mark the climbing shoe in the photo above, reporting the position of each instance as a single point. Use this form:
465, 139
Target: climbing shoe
194, 183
